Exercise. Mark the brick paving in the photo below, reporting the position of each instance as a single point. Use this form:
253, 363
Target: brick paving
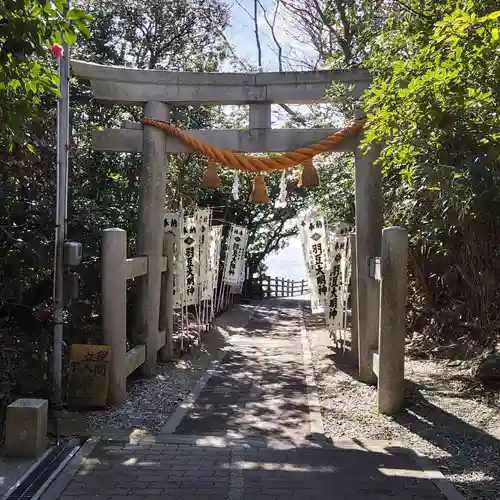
259, 390
249, 436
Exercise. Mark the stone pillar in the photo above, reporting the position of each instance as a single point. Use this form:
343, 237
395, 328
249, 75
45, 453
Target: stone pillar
150, 235
260, 116
354, 298
167, 298
114, 308
368, 244
391, 349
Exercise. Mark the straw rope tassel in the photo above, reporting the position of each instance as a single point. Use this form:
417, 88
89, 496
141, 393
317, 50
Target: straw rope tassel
210, 179
259, 194
309, 176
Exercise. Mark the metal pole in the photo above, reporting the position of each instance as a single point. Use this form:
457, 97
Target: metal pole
61, 221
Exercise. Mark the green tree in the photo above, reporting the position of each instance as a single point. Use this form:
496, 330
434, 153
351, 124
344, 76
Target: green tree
27, 74
435, 105
103, 187
341, 31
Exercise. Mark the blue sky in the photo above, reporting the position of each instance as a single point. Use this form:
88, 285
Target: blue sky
288, 262
241, 34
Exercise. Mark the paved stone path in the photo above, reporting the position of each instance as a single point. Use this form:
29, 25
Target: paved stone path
260, 389
254, 432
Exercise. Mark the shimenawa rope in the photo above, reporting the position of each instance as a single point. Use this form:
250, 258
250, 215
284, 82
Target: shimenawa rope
248, 163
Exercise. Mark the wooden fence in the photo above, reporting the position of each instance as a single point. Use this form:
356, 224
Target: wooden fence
267, 287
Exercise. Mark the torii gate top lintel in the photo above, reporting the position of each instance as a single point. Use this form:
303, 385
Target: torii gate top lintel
128, 86
122, 85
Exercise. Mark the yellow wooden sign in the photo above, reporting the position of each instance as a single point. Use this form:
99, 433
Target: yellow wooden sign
89, 375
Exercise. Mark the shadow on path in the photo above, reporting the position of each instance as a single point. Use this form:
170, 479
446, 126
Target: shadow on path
470, 454
248, 437
184, 467
259, 390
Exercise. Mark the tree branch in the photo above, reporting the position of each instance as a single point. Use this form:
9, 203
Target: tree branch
271, 26
257, 33
409, 8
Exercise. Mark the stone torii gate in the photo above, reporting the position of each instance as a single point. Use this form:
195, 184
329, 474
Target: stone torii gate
158, 91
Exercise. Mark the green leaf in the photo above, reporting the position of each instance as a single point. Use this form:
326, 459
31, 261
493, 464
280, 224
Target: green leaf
50, 11
14, 84
78, 15
82, 27
495, 34
60, 4
37, 11
490, 17
35, 69
70, 37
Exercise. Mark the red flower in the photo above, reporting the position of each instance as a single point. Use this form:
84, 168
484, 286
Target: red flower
57, 50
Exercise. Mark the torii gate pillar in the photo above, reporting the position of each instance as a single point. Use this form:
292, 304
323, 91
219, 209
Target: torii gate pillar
150, 234
369, 223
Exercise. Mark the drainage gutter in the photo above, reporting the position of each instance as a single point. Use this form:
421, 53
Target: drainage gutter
33, 483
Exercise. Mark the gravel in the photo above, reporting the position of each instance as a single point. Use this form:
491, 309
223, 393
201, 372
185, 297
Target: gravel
455, 427
151, 402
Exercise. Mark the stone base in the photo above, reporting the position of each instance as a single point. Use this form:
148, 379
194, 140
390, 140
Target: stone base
26, 428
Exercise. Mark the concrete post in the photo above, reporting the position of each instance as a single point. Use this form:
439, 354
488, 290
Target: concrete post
150, 236
391, 349
167, 298
26, 428
368, 244
354, 299
114, 308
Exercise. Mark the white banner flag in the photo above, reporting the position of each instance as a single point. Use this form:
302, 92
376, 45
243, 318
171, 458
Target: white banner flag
242, 256
312, 230
204, 222
191, 255
235, 254
215, 249
338, 281
174, 222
